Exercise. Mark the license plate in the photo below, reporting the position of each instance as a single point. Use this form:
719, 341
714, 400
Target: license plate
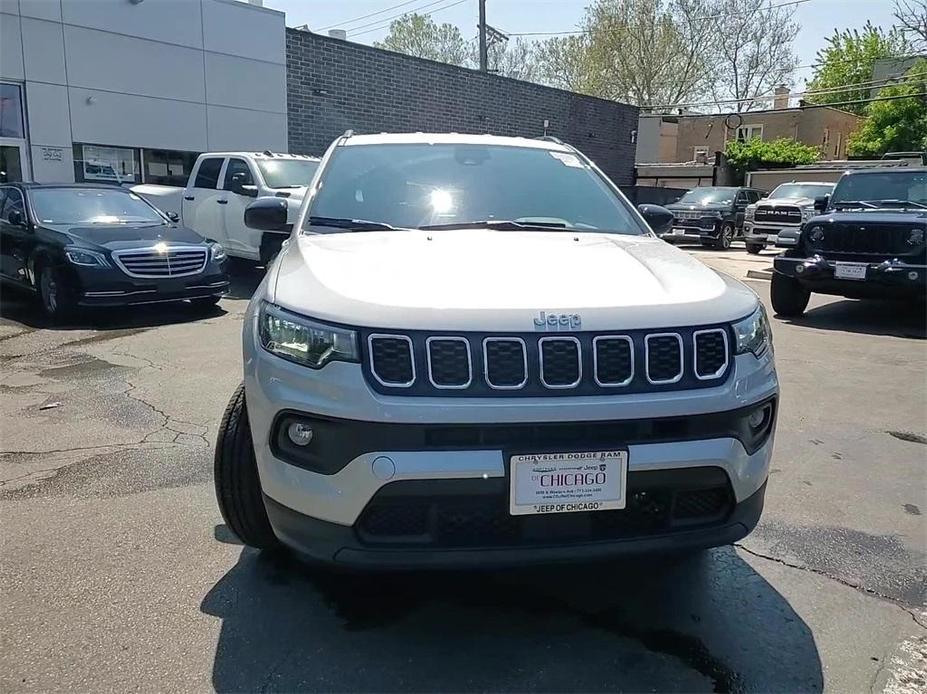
772, 238
679, 232
567, 482
850, 271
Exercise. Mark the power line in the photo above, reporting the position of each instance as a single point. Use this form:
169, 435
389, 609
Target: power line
386, 20
354, 33
696, 19
372, 14
855, 86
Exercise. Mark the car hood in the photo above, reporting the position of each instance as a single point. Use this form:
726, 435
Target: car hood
116, 237
902, 217
797, 202
481, 280
689, 207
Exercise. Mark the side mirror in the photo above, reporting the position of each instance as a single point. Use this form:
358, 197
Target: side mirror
16, 218
658, 218
820, 203
174, 217
239, 186
267, 214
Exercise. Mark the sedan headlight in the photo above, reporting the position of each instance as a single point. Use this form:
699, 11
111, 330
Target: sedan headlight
216, 251
305, 341
81, 256
753, 333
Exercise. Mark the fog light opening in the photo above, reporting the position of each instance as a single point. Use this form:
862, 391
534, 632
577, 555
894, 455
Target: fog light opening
912, 275
299, 433
759, 417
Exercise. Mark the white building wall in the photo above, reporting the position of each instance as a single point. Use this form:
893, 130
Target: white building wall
189, 75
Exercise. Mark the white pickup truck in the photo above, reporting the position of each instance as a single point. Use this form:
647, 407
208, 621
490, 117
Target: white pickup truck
220, 187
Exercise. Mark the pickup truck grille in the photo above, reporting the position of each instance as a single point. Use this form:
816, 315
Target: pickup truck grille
778, 214
487, 365
176, 261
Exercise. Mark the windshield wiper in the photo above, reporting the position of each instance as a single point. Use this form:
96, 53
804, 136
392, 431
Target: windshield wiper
895, 203
499, 225
351, 224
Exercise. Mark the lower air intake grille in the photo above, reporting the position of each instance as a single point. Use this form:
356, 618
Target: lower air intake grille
664, 357
391, 360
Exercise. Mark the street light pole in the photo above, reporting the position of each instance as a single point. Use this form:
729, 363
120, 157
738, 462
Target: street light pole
484, 56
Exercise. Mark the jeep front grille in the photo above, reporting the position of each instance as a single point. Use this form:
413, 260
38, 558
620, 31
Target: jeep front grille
532, 364
875, 239
172, 261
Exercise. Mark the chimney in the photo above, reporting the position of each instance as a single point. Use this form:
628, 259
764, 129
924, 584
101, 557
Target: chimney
781, 97
339, 34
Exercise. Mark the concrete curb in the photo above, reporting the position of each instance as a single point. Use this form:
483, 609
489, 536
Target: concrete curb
760, 274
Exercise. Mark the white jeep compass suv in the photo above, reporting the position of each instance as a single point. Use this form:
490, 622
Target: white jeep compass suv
473, 351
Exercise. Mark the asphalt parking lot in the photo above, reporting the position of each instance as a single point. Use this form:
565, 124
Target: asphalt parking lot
117, 572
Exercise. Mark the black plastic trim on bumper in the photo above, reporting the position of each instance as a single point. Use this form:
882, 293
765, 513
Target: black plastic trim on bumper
331, 543
336, 442
150, 296
882, 281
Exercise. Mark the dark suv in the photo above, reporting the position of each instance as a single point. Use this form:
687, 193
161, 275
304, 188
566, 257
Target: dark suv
868, 241
712, 216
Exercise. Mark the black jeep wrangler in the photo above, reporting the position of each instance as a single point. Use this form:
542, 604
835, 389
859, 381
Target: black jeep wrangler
868, 241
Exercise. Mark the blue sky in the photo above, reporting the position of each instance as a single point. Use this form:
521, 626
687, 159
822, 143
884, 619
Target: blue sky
817, 18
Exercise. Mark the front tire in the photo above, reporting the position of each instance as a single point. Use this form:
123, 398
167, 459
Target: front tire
56, 296
238, 487
725, 237
789, 298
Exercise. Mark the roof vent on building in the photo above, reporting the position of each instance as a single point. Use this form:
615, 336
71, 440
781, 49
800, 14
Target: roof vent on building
339, 34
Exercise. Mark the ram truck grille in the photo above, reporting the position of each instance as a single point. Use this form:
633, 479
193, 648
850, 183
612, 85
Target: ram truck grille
778, 214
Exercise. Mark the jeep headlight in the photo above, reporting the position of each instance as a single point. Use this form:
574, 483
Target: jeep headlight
303, 340
753, 333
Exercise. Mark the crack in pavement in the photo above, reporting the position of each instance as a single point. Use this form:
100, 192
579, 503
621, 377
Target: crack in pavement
849, 584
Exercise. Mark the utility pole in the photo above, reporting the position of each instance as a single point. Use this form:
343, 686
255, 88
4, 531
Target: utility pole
484, 55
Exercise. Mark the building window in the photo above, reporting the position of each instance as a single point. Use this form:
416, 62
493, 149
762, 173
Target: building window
167, 167
102, 164
745, 133
11, 111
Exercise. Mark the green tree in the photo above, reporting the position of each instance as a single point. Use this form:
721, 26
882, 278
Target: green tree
848, 58
896, 125
418, 35
754, 154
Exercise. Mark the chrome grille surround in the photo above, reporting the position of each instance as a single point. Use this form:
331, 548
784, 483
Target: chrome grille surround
157, 262
524, 353
695, 353
373, 337
647, 358
579, 360
448, 338
595, 360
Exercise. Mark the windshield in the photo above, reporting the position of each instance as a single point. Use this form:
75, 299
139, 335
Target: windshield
447, 185
91, 206
802, 190
887, 187
709, 196
287, 173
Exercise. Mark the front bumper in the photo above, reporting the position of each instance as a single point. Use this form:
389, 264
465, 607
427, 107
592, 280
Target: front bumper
301, 501
884, 280
765, 234
332, 543
693, 231
107, 288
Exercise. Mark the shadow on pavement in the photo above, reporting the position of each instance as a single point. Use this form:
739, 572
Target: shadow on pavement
707, 623
894, 318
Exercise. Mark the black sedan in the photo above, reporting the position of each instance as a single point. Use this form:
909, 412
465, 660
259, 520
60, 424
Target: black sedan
77, 245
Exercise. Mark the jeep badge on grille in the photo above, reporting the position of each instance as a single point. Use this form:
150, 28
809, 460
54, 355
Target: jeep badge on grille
557, 321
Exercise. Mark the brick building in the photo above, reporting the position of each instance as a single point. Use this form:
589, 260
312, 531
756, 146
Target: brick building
696, 137
334, 85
